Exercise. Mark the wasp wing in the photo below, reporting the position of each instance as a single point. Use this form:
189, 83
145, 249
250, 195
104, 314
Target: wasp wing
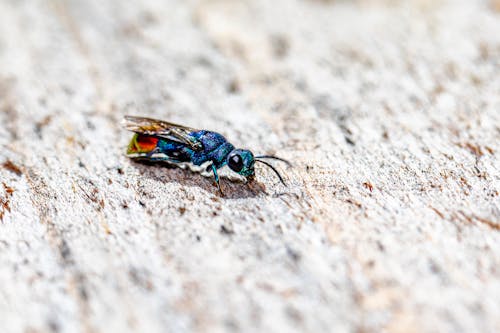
164, 130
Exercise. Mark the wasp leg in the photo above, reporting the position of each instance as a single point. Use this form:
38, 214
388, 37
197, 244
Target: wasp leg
149, 157
214, 169
151, 153
156, 159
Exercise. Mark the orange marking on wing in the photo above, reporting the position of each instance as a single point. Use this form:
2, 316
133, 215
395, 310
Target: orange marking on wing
146, 143
141, 144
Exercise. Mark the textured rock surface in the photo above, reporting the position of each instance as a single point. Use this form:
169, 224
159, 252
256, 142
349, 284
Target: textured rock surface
390, 112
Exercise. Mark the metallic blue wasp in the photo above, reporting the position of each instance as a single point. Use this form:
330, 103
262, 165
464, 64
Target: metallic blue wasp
157, 140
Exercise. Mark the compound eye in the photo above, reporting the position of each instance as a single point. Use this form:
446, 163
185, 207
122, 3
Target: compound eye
235, 163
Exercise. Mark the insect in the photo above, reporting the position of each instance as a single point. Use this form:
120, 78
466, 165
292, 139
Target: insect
157, 140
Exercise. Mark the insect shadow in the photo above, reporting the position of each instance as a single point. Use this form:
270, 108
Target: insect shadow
233, 189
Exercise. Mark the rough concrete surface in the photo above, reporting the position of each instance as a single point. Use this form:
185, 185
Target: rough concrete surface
389, 110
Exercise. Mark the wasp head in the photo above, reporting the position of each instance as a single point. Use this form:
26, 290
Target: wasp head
242, 162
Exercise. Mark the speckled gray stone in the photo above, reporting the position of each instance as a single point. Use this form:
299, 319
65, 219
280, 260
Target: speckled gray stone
389, 110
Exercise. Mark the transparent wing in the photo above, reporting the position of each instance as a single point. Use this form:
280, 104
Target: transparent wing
163, 129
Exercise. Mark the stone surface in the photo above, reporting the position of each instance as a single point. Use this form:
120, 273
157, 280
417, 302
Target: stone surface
389, 110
